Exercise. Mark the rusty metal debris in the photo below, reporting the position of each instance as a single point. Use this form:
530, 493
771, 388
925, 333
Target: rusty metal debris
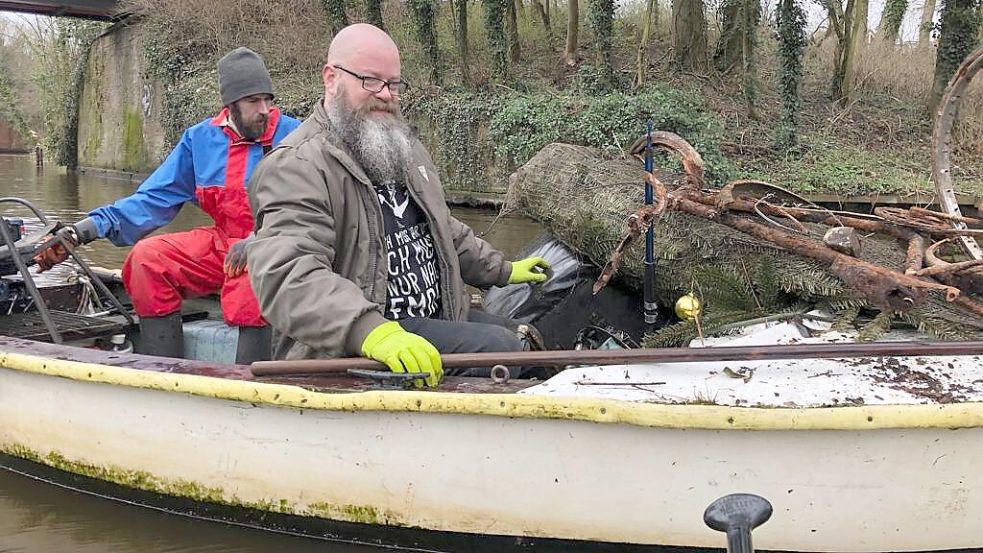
692, 161
966, 275
638, 223
734, 205
949, 268
915, 253
969, 221
924, 221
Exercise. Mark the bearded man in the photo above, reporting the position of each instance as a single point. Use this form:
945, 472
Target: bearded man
209, 167
356, 251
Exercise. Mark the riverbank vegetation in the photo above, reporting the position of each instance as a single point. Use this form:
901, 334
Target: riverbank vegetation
841, 108
43, 62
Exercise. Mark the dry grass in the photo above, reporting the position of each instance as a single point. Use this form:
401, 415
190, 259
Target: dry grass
879, 143
903, 75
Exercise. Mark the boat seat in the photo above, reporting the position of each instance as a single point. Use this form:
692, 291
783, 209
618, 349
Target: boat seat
210, 340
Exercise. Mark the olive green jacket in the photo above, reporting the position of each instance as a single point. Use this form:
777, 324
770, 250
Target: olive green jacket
318, 263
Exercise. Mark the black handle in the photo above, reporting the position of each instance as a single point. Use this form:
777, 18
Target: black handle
737, 514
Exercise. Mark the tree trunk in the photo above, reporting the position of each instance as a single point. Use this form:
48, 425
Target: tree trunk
337, 16
792, 42
373, 13
856, 19
728, 52
423, 19
641, 61
750, 15
861, 12
838, 29
544, 17
495, 31
573, 30
927, 22
600, 15
957, 39
655, 21
461, 32
736, 46
891, 19
689, 34
512, 23
520, 9
851, 32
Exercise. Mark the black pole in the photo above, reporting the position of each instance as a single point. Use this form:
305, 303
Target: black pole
648, 292
737, 514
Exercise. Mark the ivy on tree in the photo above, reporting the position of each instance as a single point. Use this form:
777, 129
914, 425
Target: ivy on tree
791, 44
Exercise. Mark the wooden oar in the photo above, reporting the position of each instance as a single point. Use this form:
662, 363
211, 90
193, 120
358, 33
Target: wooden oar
635, 356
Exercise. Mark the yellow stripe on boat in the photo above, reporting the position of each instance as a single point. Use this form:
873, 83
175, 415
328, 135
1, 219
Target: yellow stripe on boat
681, 416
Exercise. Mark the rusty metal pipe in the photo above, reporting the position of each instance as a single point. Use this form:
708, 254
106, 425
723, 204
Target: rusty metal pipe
915, 253
882, 287
949, 268
636, 356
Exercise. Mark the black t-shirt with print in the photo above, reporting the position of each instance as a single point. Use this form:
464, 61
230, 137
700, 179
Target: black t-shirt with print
414, 275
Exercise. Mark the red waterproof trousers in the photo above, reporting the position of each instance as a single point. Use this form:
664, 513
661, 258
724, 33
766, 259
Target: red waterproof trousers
162, 270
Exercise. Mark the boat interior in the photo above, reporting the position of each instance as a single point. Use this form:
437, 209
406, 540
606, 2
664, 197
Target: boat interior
87, 317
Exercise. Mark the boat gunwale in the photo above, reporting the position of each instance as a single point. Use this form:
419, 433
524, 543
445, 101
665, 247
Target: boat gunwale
689, 416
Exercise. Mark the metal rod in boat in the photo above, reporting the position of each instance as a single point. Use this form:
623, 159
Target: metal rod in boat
635, 356
737, 514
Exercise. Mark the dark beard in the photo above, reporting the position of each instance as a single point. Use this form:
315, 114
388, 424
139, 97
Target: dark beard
381, 147
248, 131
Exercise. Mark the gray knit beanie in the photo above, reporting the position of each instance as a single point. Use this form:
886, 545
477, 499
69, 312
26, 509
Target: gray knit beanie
242, 73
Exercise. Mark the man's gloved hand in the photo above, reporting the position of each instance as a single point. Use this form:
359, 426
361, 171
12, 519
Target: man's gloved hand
235, 259
403, 351
530, 269
55, 253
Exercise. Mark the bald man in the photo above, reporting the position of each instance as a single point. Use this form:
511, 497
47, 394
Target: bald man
356, 252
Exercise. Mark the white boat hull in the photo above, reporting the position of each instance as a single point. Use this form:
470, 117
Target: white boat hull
849, 479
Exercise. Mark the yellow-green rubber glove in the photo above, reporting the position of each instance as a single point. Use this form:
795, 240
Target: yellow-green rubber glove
525, 270
403, 351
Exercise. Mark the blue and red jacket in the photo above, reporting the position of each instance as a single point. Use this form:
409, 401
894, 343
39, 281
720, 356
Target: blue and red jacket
210, 160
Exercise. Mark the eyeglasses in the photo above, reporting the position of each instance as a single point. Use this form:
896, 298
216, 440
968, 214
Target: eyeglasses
375, 85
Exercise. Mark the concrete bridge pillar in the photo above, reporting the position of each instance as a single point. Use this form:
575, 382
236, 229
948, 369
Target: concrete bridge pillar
120, 109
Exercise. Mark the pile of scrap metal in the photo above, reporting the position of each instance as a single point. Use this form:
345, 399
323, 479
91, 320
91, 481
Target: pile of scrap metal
881, 286
752, 249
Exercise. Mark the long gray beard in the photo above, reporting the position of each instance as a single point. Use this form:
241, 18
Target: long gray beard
382, 148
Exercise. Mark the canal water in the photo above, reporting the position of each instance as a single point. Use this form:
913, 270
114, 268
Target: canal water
68, 197
39, 518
